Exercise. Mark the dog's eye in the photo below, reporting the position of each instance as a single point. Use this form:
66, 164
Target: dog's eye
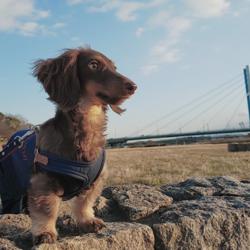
93, 65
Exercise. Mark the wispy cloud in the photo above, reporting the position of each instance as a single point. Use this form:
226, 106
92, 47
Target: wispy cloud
75, 2
59, 25
173, 23
159, 19
166, 50
208, 8
21, 16
127, 11
149, 69
124, 10
139, 31
175, 27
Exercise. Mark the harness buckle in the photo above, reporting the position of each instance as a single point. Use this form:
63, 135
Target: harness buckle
18, 140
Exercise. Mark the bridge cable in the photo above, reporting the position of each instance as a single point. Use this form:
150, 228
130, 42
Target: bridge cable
193, 108
227, 104
233, 80
234, 112
204, 111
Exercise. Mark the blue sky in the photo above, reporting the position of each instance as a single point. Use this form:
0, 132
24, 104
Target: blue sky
174, 50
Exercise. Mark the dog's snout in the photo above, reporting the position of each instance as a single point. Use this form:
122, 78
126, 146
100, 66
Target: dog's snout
130, 87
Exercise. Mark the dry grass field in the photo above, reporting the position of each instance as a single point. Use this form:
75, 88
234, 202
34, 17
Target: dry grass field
161, 165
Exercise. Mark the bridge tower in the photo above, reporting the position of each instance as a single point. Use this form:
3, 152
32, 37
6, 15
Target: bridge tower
247, 84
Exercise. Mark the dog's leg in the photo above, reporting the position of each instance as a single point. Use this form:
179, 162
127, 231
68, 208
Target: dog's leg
83, 207
44, 203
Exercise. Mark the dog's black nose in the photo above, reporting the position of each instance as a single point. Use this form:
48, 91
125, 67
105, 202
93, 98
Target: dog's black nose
130, 87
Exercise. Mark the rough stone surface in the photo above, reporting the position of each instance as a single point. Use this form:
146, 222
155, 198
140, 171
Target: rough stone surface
194, 188
206, 223
7, 245
16, 228
207, 213
139, 201
117, 236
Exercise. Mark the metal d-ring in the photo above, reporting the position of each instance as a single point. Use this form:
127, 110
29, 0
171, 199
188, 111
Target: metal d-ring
20, 141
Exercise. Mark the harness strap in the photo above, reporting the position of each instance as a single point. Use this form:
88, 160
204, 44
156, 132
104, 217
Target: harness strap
81, 172
14, 143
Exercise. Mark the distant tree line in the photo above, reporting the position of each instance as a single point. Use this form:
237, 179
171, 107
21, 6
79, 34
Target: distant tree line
11, 123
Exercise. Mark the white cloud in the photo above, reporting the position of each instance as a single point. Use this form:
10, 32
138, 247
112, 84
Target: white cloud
103, 6
124, 10
149, 69
59, 25
38, 14
139, 31
236, 13
160, 19
75, 2
177, 26
127, 11
208, 8
156, 3
20, 16
163, 52
29, 28
173, 23
166, 51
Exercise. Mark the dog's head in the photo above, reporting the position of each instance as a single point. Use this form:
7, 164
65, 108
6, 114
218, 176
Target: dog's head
83, 73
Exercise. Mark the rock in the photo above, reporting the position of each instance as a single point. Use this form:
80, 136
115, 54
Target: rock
107, 209
15, 234
16, 228
196, 187
205, 223
207, 213
138, 201
228, 186
129, 236
13, 224
7, 245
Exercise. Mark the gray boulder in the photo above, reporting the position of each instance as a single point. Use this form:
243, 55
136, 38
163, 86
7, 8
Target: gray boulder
116, 236
138, 201
196, 187
199, 213
206, 223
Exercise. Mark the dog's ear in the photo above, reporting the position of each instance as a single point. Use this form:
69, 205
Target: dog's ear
59, 78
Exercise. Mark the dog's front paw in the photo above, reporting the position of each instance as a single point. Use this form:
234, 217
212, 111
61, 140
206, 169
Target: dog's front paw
92, 225
46, 237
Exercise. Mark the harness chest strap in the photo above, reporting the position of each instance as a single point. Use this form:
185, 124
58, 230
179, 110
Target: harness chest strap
85, 172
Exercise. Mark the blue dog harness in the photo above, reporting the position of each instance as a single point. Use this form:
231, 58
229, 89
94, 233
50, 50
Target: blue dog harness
82, 173
17, 163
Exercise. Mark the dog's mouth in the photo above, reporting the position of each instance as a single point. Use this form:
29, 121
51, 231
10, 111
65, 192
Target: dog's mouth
113, 102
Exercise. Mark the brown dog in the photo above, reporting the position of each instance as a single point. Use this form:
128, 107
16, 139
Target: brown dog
82, 82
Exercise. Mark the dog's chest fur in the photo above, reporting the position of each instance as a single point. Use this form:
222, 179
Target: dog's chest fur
90, 130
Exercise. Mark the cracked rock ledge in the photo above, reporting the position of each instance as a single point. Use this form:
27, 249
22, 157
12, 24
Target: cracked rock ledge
199, 213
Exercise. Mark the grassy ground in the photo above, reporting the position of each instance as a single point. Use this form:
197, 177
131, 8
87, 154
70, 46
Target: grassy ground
161, 165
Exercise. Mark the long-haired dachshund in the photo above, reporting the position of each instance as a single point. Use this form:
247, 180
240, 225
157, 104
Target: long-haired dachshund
82, 83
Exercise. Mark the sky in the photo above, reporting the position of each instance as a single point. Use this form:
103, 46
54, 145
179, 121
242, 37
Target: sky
179, 53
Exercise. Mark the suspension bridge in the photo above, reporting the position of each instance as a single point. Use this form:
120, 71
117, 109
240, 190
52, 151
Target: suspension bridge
230, 94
